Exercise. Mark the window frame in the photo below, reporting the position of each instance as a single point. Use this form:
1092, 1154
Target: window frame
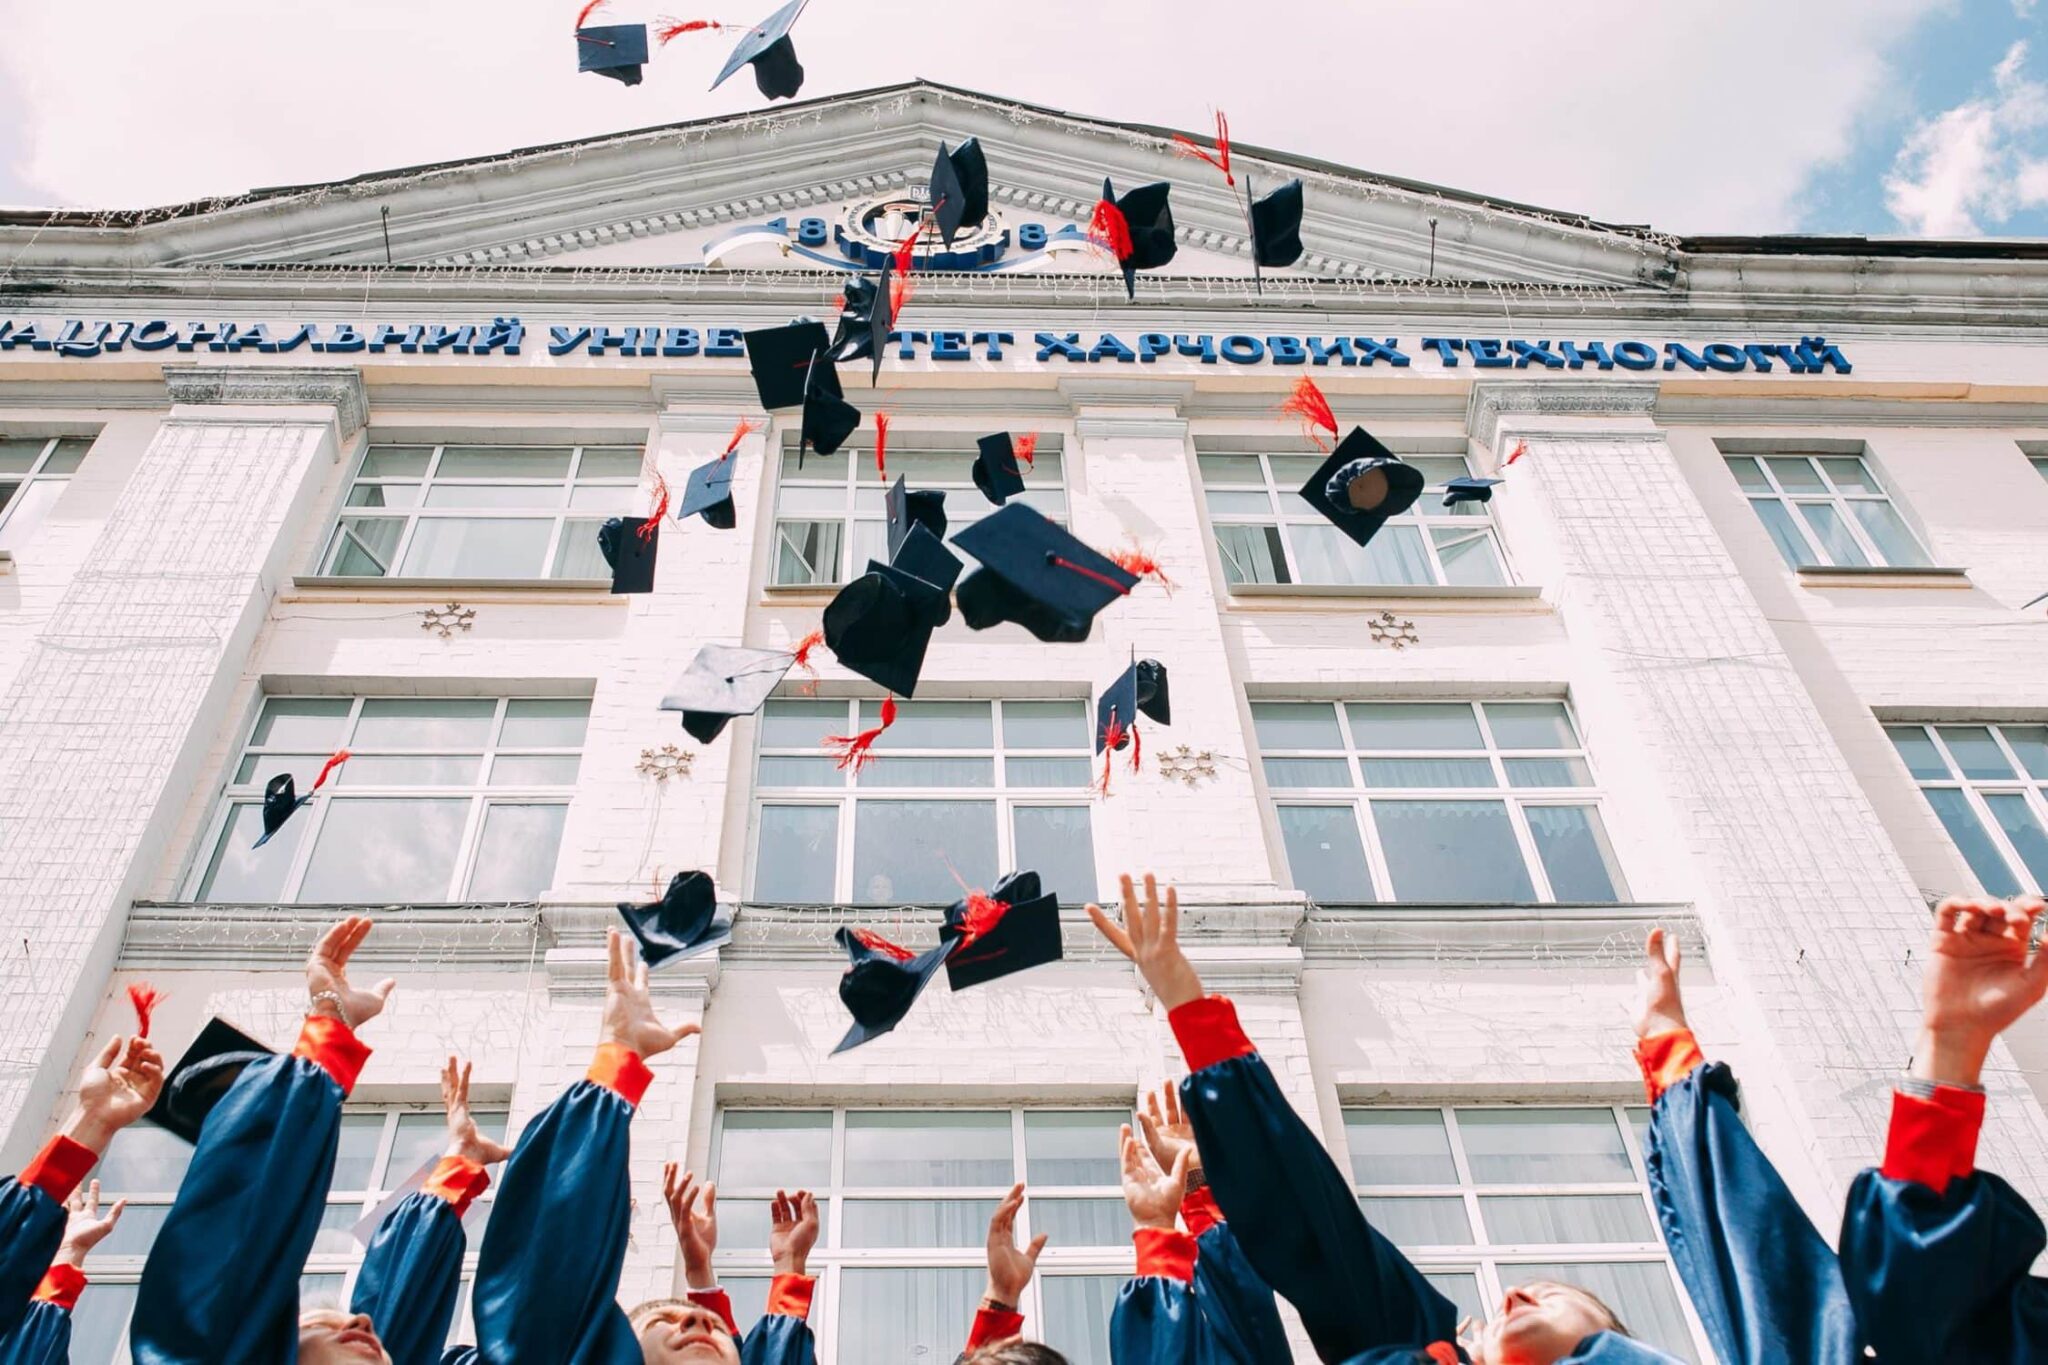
1830, 494
1516, 799
2040, 464
38, 473
480, 794
2031, 789
561, 516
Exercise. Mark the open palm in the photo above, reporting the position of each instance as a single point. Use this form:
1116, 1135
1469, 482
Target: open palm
1981, 976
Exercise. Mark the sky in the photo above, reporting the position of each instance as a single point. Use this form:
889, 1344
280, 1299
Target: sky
1875, 117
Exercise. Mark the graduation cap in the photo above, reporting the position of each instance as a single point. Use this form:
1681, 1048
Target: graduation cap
925, 557
628, 545
709, 493
1012, 928
882, 982
880, 625
828, 418
683, 923
1469, 490
725, 681
1362, 484
1276, 225
281, 799
202, 1077
615, 50
767, 46
1137, 229
1037, 575
867, 312
780, 358
959, 188
1139, 690
996, 472
925, 507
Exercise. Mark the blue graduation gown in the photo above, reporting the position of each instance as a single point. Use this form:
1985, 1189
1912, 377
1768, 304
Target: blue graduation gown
42, 1337
222, 1280
32, 1223
1224, 1315
411, 1278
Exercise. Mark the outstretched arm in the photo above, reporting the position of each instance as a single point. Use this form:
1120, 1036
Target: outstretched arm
43, 1337
1156, 1321
1288, 1204
783, 1335
1010, 1268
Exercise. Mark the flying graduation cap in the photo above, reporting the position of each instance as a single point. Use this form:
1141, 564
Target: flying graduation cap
768, 49
202, 1077
281, 800
1139, 690
614, 50
1468, 489
1362, 484
881, 624
924, 507
628, 544
828, 418
1010, 929
725, 681
959, 188
996, 471
686, 920
709, 494
1137, 229
882, 982
1276, 225
867, 313
780, 359
1037, 575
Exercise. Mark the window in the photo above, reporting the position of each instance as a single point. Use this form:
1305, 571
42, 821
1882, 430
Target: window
944, 802
904, 1199
1827, 511
33, 472
380, 1148
1266, 532
1465, 802
1988, 785
829, 515
443, 799
451, 511
1486, 1198
2040, 463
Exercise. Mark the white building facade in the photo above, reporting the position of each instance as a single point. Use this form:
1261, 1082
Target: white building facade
1739, 647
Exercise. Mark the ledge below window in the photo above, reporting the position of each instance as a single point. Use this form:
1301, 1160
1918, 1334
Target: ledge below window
1881, 576
327, 585
1370, 592
1540, 932
6, 563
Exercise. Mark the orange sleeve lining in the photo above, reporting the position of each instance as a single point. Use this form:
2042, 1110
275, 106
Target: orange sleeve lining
789, 1296
62, 1284
1208, 1032
458, 1180
1666, 1059
332, 1045
1933, 1141
992, 1326
57, 1169
1199, 1211
619, 1069
1166, 1252
719, 1302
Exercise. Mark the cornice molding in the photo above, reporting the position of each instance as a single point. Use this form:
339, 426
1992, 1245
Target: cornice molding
270, 937
1493, 401
1610, 935
338, 387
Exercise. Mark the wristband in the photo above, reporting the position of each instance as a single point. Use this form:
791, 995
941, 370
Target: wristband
1196, 1180
333, 998
996, 1305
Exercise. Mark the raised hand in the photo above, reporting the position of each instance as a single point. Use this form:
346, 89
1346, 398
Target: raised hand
693, 1211
118, 1087
1659, 1006
464, 1138
1980, 979
85, 1229
792, 1231
1009, 1267
1153, 1195
327, 976
629, 1018
1168, 1132
1150, 937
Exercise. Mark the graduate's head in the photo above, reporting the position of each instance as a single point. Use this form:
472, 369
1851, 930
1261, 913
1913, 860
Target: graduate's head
679, 1332
328, 1336
1016, 1351
1541, 1322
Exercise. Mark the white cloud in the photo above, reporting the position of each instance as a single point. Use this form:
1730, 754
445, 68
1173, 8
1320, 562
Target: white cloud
1978, 163
1694, 118
2023, 8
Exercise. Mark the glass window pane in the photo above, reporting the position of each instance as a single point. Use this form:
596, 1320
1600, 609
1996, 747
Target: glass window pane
1057, 842
312, 723
385, 850
495, 462
744, 1225
1073, 1147
1296, 725
577, 555
1543, 1146
799, 846
1045, 725
383, 462
477, 547
137, 1230
1974, 750
1325, 853
2022, 830
1427, 772
801, 502
1963, 826
927, 772
1082, 1222
1462, 1289
1572, 842
1747, 474
144, 1159
407, 770
1895, 542
515, 859
1251, 554
534, 770
28, 511
1396, 555
1414, 725
1230, 469
1548, 772
545, 723
1531, 725
364, 547
1411, 1221
239, 871
890, 1315
1785, 533
1922, 759
611, 462
321, 1291
1851, 475
802, 724
770, 1149
1641, 1292
615, 499
1458, 851
909, 852
908, 1149
807, 551
259, 768
19, 454
1470, 558
99, 1319
334, 1236
1399, 1147
384, 495
421, 1138
933, 725
1828, 528
1047, 772
355, 1160
425, 723
1525, 1220
1235, 503
812, 467
2030, 742
1307, 772
477, 495
1077, 1312
918, 1222
1795, 474
778, 770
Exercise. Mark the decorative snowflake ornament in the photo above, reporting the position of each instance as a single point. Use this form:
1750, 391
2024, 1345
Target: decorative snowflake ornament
448, 619
1189, 767
1387, 629
666, 762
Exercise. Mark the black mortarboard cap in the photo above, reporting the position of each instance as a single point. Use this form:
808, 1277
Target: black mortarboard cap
683, 923
615, 50
925, 507
201, 1077
1150, 218
879, 986
828, 418
880, 625
630, 554
709, 494
280, 799
1037, 575
925, 557
1276, 226
1469, 489
776, 69
853, 336
1153, 701
959, 188
1139, 690
1025, 935
1359, 457
724, 681
995, 469
780, 358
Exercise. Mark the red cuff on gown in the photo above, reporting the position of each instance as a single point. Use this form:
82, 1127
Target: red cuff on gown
458, 1180
992, 1325
1199, 1211
1933, 1141
789, 1296
1166, 1252
619, 1069
62, 1284
57, 1169
1666, 1059
1208, 1032
719, 1302
332, 1046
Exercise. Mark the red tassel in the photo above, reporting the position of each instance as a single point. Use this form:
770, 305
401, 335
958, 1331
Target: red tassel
901, 288
1104, 579
1026, 448
1136, 561
802, 652
1137, 750
906, 251
881, 446
1187, 146
653, 522
583, 15
339, 757
145, 998
1112, 738
854, 749
677, 28
984, 913
1521, 449
739, 433
874, 942
1108, 229
1307, 403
